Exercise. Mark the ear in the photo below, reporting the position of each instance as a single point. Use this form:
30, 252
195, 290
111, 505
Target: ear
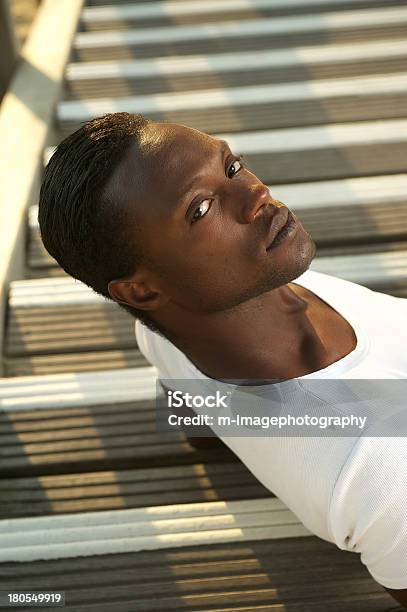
136, 293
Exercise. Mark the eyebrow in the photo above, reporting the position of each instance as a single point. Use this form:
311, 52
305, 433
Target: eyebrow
189, 186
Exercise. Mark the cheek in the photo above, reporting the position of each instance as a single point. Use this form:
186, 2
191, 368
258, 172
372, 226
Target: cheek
206, 275
207, 256
215, 254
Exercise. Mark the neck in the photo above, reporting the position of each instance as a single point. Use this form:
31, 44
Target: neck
263, 338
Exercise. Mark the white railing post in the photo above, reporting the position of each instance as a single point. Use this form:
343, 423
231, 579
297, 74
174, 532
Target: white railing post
27, 114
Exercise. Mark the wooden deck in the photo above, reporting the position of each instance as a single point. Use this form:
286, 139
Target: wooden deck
96, 502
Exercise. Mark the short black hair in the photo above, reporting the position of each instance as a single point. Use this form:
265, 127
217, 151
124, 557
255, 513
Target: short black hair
82, 227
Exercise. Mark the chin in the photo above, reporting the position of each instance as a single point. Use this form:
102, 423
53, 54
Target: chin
305, 253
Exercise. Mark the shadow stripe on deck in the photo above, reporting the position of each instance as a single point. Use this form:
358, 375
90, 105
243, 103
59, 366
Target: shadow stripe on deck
154, 527
291, 574
313, 153
127, 13
118, 489
252, 28
248, 34
220, 45
188, 73
59, 424
352, 90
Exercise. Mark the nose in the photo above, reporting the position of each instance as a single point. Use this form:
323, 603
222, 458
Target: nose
257, 198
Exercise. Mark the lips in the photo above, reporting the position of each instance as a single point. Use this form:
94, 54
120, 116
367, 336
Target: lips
278, 221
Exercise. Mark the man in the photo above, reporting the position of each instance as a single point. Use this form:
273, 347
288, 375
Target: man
171, 224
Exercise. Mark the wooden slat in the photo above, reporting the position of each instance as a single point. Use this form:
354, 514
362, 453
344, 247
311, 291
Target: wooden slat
231, 29
128, 86
220, 45
254, 576
331, 95
56, 330
73, 362
137, 385
328, 138
45, 271
238, 62
342, 27
60, 424
243, 109
147, 528
314, 153
97, 449
189, 11
87, 492
149, 76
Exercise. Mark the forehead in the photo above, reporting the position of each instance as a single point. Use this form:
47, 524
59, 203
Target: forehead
160, 136
171, 147
168, 157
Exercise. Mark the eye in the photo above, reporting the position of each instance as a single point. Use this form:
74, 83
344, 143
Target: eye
236, 166
237, 163
207, 206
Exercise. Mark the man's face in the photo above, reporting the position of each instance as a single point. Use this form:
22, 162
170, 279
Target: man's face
205, 221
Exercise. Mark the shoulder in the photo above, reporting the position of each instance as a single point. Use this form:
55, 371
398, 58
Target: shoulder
161, 353
368, 508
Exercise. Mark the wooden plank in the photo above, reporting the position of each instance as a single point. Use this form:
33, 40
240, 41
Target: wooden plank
69, 423
313, 153
331, 95
56, 330
238, 62
86, 492
266, 107
137, 13
328, 137
44, 272
73, 362
330, 163
252, 28
118, 23
212, 577
147, 528
128, 86
261, 43
136, 385
93, 79
133, 49
124, 456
